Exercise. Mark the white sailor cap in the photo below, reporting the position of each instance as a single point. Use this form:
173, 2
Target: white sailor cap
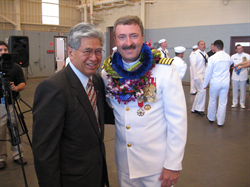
195, 47
179, 49
161, 41
114, 48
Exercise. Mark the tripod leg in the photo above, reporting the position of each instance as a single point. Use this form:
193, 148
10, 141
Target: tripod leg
3, 124
21, 121
12, 126
19, 152
15, 137
25, 103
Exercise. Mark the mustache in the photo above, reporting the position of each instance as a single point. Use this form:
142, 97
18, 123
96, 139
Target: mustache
132, 46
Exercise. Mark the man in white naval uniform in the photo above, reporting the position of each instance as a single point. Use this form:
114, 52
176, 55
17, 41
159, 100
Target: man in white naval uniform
178, 62
218, 73
149, 148
193, 89
198, 64
163, 48
241, 79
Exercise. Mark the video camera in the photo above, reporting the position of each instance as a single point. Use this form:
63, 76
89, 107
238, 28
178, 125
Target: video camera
7, 60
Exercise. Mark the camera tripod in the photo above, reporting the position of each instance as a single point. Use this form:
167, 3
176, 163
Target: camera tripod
14, 119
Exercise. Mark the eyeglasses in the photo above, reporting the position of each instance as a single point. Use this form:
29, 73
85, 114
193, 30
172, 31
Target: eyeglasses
89, 52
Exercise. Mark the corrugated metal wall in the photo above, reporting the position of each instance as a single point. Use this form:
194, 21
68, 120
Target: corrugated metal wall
31, 15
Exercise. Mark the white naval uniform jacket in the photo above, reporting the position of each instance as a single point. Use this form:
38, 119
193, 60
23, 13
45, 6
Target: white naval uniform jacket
180, 65
198, 66
236, 59
158, 137
218, 69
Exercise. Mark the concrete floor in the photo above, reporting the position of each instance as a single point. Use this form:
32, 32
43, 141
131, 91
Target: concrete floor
214, 157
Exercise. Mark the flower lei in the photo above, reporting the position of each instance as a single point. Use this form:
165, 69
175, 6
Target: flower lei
127, 85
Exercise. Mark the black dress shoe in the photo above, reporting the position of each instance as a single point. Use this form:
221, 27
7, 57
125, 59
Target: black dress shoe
200, 112
18, 161
2, 164
193, 93
220, 125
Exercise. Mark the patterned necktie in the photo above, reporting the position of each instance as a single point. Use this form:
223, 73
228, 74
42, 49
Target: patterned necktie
92, 98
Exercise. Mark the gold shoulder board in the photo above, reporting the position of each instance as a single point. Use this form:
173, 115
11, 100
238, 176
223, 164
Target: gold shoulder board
166, 61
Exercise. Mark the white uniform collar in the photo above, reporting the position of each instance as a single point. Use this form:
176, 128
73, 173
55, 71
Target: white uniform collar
128, 65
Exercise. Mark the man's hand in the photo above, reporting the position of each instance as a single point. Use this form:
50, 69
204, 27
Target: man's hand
17, 88
13, 87
239, 67
168, 177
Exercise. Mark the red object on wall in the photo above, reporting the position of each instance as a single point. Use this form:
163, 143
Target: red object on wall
50, 51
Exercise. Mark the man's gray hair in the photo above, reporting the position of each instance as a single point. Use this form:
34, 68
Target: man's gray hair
81, 30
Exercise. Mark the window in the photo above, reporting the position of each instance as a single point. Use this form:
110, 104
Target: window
50, 12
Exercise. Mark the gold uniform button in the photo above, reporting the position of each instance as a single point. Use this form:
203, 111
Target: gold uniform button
127, 127
129, 145
127, 108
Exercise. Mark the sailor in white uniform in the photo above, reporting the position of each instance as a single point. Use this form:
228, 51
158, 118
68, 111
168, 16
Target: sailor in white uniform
151, 127
164, 51
218, 73
240, 79
193, 89
198, 64
178, 62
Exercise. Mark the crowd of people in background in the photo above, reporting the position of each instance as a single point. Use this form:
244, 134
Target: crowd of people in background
212, 69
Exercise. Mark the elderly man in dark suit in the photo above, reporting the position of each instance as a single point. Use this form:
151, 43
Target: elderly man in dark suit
69, 113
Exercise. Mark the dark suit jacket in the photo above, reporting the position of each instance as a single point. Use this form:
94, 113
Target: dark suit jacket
67, 146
